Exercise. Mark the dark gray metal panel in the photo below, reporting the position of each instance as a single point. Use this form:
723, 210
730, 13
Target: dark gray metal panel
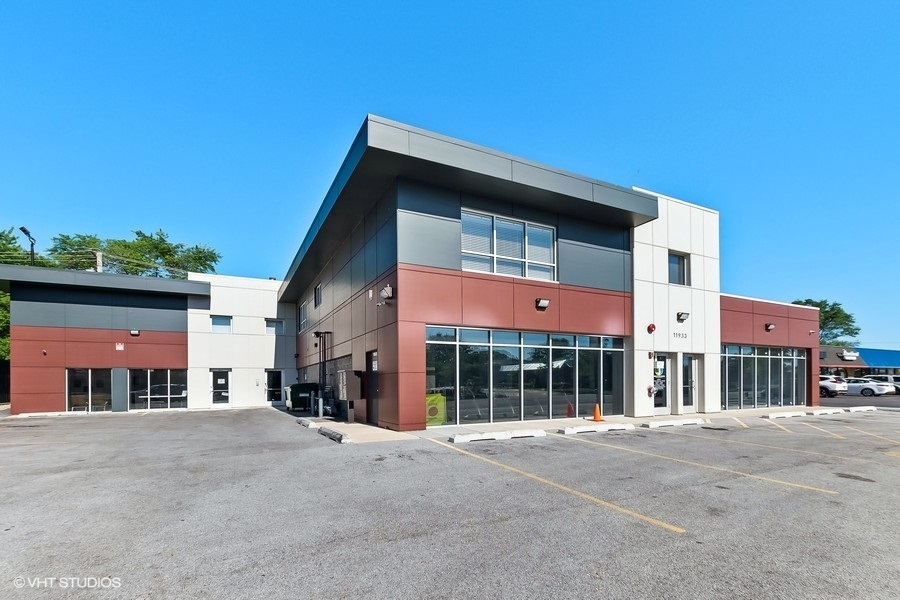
498, 207
454, 154
428, 240
37, 314
386, 245
358, 271
343, 287
388, 137
626, 200
120, 390
417, 197
371, 257
551, 180
595, 234
594, 267
60, 278
44, 314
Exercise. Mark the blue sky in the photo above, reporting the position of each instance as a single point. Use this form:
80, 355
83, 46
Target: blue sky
223, 123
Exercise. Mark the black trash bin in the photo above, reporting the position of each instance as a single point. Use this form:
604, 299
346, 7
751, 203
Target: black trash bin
301, 396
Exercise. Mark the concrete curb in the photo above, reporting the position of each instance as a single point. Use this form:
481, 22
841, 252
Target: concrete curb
341, 438
308, 423
462, 438
596, 428
673, 423
861, 408
784, 415
826, 411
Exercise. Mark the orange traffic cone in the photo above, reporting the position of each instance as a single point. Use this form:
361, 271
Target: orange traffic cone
597, 415
570, 411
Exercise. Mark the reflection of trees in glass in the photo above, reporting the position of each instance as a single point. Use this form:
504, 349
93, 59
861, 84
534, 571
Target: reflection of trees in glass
440, 362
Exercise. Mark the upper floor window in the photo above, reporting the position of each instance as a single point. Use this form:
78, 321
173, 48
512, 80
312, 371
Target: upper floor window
220, 324
508, 247
678, 269
302, 318
317, 296
274, 327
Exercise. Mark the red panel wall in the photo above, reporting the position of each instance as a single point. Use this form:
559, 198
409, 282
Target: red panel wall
744, 323
40, 356
463, 299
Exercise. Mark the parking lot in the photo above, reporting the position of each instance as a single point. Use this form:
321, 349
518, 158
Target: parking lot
249, 504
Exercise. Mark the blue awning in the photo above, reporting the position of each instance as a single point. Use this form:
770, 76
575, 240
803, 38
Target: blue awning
880, 359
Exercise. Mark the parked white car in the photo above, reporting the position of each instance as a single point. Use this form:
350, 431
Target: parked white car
892, 379
868, 387
831, 385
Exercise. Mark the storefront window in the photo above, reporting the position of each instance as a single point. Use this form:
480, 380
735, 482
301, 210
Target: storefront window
493, 376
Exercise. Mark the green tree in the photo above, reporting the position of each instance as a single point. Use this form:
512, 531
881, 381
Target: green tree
834, 323
150, 255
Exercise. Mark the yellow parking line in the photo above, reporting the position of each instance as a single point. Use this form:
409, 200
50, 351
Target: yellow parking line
701, 465
825, 454
779, 426
568, 490
838, 436
741, 423
881, 437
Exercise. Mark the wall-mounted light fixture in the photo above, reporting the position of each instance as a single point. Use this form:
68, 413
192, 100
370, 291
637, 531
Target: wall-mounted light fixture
386, 292
682, 316
541, 303
770, 326
812, 331
135, 332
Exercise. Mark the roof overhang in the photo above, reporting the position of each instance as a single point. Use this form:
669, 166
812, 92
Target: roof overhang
385, 151
107, 281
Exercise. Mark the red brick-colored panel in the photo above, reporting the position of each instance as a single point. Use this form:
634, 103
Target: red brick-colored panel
40, 353
412, 401
36, 380
388, 394
156, 356
777, 337
804, 312
487, 302
526, 316
597, 313
737, 327
736, 304
27, 332
804, 333
411, 347
429, 297
771, 309
33, 403
387, 350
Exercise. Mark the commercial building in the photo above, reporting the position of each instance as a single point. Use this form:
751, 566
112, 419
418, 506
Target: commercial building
442, 282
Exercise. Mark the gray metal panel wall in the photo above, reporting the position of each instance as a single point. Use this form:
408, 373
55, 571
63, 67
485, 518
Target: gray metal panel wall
428, 226
120, 390
386, 245
593, 266
429, 241
43, 314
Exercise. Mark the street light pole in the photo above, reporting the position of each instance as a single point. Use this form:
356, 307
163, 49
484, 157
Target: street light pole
24, 230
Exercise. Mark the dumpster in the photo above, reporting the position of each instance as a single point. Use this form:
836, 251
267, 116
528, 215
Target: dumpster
300, 396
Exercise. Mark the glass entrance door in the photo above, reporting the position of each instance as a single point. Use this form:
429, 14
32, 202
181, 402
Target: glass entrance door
220, 387
689, 369
661, 400
273, 386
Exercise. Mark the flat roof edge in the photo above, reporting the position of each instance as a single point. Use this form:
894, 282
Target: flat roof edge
90, 279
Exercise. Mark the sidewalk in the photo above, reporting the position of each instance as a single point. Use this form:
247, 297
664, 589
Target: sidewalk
363, 433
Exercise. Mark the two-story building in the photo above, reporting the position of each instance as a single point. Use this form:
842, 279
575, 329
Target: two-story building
439, 283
